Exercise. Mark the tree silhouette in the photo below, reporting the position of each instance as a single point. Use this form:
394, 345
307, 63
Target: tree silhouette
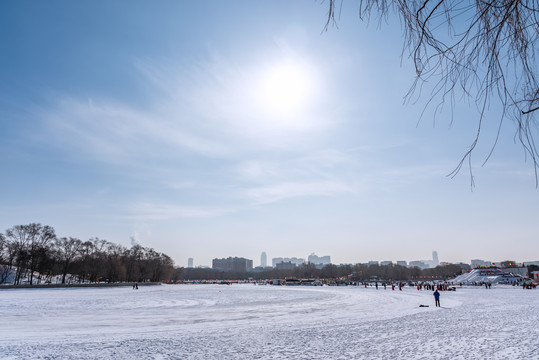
483, 51
34, 249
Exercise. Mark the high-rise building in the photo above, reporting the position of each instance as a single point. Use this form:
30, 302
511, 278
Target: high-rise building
263, 259
190, 263
435, 261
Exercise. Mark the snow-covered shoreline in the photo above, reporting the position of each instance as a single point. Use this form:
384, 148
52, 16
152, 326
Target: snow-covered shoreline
84, 285
265, 322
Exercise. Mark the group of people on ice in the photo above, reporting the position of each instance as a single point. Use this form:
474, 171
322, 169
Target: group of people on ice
432, 287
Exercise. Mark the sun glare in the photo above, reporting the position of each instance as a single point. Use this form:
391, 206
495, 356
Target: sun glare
285, 90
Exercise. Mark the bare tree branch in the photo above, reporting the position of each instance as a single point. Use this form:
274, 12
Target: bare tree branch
486, 53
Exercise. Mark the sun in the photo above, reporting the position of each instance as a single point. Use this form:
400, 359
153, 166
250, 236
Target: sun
285, 89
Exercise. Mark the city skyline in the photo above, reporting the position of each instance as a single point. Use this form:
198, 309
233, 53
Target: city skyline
213, 131
431, 263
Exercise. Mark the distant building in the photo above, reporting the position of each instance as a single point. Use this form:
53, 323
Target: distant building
426, 264
386, 263
263, 259
294, 260
435, 261
190, 262
463, 266
480, 263
402, 263
418, 263
370, 263
260, 268
319, 261
276, 260
288, 265
233, 264
509, 263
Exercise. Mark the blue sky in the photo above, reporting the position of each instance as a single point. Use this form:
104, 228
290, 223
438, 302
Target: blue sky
215, 129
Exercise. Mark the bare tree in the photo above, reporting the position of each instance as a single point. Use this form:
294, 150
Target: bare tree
3, 245
132, 261
116, 270
68, 250
33, 249
480, 50
40, 238
4, 267
98, 259
18, 240
86, 250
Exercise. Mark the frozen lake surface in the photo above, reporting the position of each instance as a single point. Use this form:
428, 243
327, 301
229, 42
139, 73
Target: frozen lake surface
268, 322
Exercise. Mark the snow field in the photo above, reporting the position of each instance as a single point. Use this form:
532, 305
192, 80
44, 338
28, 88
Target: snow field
265, 322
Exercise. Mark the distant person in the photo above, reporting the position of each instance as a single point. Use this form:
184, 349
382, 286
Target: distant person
436, 298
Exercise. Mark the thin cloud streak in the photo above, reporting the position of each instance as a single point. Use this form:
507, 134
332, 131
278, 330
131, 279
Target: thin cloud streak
154, 211
114, 132
289, 190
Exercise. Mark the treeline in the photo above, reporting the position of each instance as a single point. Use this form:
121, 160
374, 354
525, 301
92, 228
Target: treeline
358, 272
35, 254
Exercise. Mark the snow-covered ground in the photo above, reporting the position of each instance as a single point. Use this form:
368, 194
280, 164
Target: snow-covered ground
268, 322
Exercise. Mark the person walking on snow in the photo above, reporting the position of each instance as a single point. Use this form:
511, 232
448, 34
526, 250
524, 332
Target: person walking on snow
436, 298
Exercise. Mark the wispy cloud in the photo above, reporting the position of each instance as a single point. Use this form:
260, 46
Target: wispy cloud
211, 109
319, 173
323, 163
155, 211
288, 190
205, 134
116, 132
